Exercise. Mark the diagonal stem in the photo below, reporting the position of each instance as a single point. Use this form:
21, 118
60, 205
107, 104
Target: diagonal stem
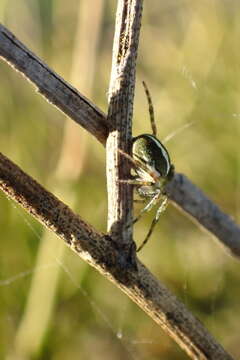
97, 250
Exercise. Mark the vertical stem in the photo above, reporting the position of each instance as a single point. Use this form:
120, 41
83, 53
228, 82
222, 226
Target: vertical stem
121, 95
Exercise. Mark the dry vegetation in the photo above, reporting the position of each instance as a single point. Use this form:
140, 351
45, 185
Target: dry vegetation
189, 57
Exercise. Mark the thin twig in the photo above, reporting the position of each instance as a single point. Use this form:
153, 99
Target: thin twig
81, 110
102, 253
121, 94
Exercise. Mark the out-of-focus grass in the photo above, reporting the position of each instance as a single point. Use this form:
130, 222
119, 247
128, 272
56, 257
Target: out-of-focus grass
189, 58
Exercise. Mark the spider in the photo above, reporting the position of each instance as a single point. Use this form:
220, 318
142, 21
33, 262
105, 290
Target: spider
153, 169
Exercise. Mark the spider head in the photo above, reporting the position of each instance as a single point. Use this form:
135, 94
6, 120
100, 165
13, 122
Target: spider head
149, 152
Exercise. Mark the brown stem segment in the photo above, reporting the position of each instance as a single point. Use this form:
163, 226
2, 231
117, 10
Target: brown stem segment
121, 95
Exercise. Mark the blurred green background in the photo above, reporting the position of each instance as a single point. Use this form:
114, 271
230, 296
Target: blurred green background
54, 306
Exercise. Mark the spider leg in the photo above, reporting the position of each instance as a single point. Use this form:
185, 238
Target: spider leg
148, 207
161, 208
137, 182
151, 110
139, 200
137, 163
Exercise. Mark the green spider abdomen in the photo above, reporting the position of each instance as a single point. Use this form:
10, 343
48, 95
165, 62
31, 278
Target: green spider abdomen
149, 151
